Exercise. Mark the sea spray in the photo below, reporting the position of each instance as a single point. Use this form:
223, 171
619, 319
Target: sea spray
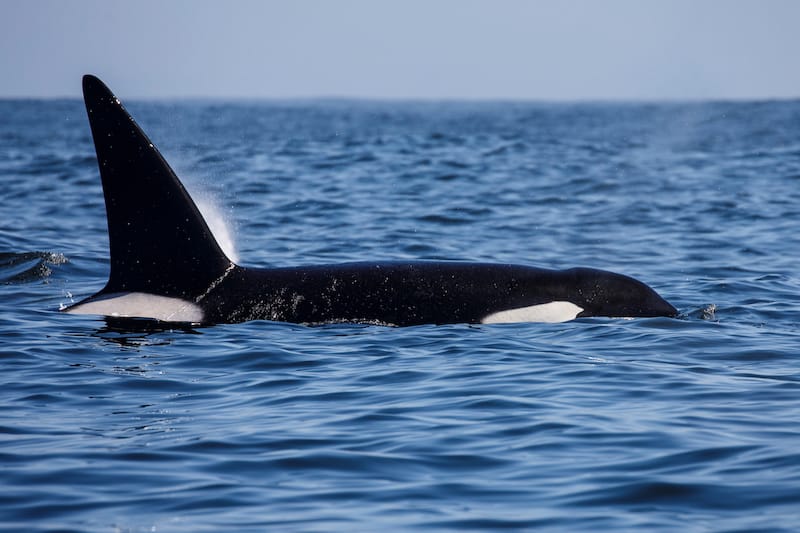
215, 216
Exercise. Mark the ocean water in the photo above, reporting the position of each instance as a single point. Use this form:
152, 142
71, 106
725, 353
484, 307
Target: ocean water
687, 424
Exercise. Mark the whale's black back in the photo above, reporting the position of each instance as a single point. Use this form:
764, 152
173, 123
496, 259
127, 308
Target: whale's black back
164, 256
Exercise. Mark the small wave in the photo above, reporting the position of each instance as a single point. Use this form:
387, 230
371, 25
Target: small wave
23, 267
706, 312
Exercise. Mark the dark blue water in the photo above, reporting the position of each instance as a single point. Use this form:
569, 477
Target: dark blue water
689, 424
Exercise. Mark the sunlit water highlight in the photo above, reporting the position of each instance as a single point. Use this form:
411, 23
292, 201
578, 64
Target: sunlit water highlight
686, 424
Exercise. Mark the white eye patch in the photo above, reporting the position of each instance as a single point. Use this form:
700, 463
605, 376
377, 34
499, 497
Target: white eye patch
549, 312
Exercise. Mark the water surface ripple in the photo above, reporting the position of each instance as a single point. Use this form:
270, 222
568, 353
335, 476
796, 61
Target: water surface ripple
686, 424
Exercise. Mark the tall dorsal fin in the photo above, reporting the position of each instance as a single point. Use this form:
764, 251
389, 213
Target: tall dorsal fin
159, 241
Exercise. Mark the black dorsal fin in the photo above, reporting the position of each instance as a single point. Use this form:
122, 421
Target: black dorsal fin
159, 241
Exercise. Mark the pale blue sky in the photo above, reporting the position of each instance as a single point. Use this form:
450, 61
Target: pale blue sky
497, 49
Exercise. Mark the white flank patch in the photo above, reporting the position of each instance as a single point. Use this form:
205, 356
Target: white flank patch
141, 305
549, 312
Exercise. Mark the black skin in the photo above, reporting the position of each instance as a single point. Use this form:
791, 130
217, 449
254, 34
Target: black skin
160, 244
407, 294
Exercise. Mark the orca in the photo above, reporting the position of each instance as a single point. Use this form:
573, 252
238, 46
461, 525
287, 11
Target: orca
166, 264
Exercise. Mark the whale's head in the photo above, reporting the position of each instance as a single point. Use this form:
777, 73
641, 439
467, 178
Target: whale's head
602, 293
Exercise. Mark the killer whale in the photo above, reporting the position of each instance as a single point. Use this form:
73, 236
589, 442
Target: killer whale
166, 264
